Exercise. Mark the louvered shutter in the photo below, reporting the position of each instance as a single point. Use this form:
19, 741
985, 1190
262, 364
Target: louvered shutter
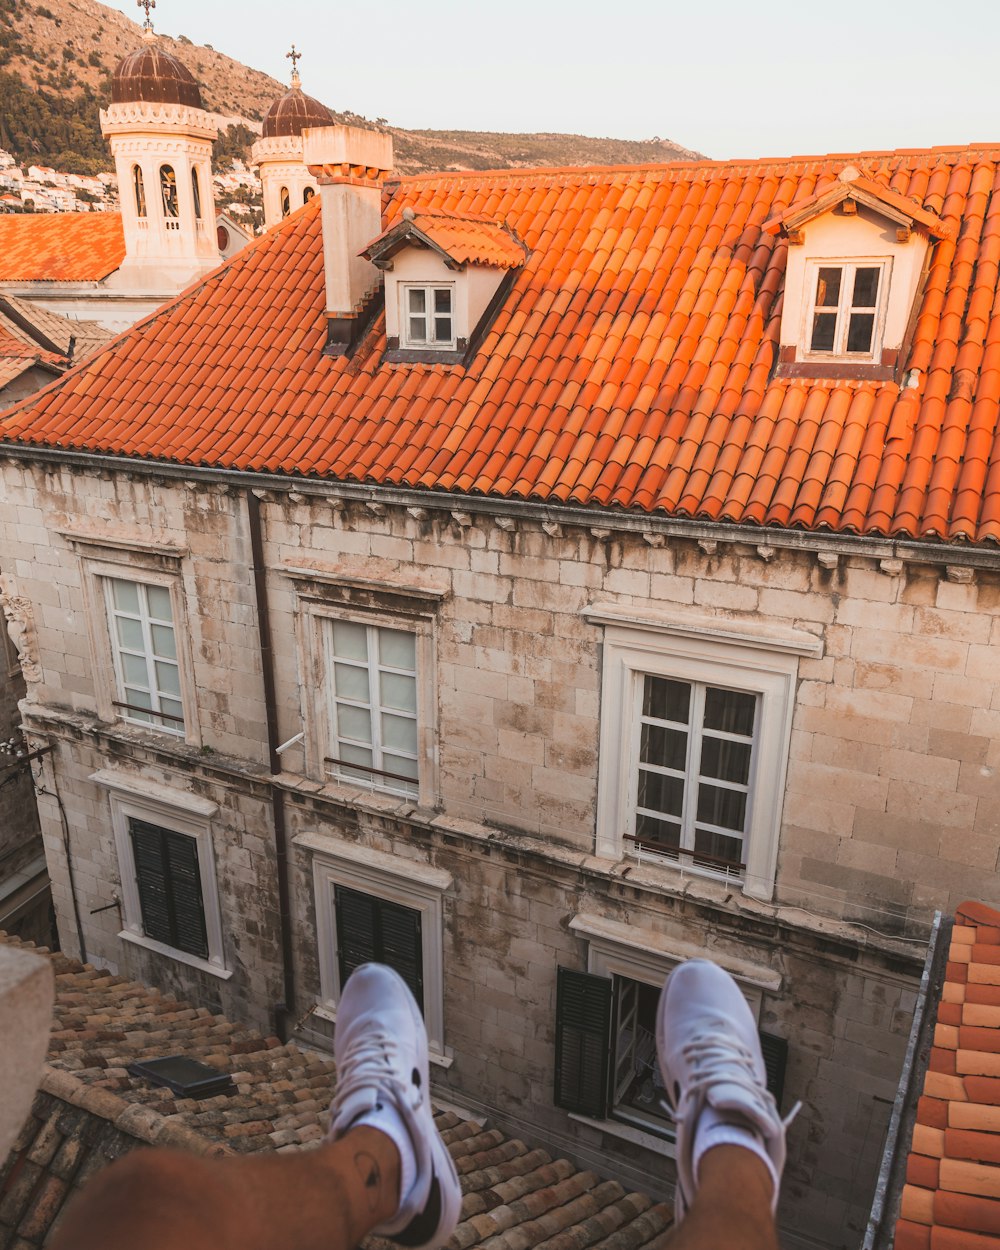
356, 936
168, 878
775, 1052
370, 928
583, 1042
187, 904
401, 946
151, 879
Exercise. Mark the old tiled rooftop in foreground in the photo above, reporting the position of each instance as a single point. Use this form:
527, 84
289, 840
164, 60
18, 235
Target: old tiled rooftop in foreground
89, 1110
631, 365
951, 1200
60, 247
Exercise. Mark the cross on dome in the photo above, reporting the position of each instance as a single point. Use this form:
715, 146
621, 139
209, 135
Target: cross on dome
147, 25
292, 56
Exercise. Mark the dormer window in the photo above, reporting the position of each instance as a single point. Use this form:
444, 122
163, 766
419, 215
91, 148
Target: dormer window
847, 314
429, 316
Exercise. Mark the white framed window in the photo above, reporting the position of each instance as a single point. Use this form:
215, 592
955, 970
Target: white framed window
374, 906
372, 690
428, 317
134, 598
845, 308
170, 896
144, 653
695, 726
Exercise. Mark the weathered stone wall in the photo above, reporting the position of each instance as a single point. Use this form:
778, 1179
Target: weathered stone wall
18, 815
892, 805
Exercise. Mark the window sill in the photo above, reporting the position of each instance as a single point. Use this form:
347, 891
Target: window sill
182, 957
627, 1132
440, 1059
836, 369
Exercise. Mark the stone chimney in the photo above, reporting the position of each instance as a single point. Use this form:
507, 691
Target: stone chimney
350, 166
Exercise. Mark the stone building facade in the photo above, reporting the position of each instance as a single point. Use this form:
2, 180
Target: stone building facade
889, 809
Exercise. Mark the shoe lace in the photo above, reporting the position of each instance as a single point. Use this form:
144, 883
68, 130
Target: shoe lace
715, 1056
371, 1061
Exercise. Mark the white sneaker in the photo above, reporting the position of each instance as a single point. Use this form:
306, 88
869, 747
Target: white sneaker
380, 1047
709, 1053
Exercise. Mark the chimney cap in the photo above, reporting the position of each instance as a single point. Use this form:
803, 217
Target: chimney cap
346, 145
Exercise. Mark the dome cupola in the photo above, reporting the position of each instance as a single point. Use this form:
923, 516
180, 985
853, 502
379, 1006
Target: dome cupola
293, 112
153, 76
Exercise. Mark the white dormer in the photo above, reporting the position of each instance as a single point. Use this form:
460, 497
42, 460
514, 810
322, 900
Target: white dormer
444, 277
857, 258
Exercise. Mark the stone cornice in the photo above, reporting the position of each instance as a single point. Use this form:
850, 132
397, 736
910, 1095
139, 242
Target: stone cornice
277, 148
118, 119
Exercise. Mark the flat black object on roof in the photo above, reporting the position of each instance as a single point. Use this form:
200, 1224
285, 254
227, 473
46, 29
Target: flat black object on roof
186, 1077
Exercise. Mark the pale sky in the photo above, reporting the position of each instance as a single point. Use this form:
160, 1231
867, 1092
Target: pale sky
725, 77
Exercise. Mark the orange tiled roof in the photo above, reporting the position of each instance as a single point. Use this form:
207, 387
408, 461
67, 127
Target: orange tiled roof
631, 364
60, 247
951, 1200
17, 357
462, 239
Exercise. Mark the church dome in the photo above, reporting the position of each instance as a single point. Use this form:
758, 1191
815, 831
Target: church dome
155, 77
294, 112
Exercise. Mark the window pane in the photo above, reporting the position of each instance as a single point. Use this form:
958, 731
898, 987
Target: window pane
164, 642
351, 682
354, 755
418, 300
399, 692
719, 845
442, 300
828, 287
172, 708
860, 331
730, 761
350, 640
665, 831
418, 329
134, 668
126, 596
400, 764
666, 747
824, 328
865, 287
442, 329
399, 733
730, 711
398, 648
158, 598
660, 793
727, 808
129, 633
168, 679
354, 722
666, 700
138, 698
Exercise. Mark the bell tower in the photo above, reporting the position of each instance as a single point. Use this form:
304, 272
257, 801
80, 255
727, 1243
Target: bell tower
161, 139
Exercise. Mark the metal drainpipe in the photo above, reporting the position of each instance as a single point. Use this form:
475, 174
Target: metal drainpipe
285, 1009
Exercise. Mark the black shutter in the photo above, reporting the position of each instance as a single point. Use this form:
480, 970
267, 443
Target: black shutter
370, 928
775, 1052
168, 878
583, 1042
401, 946
184, 882
151, 879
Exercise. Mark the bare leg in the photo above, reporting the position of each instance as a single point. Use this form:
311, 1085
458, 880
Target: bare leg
323, 1199
732, 1208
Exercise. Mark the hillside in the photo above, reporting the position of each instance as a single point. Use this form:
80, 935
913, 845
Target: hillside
56, 59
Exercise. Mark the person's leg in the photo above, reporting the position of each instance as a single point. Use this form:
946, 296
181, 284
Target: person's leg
384, 1168
323, 1199
730, 1135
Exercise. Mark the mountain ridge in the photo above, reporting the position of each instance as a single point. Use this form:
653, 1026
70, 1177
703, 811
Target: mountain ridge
55, 70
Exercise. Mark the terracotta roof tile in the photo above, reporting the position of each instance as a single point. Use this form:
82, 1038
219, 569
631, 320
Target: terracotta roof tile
60, 247
89, 1110
953, 1176
630, 366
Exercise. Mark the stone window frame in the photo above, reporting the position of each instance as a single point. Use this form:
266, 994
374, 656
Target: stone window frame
395, 879
720, 651
323, 596
640, 954
102, 558
181, 812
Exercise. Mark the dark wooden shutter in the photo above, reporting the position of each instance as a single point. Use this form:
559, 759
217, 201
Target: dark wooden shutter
775, 1052
583, 1042
370, 928
151, 879
168, 878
